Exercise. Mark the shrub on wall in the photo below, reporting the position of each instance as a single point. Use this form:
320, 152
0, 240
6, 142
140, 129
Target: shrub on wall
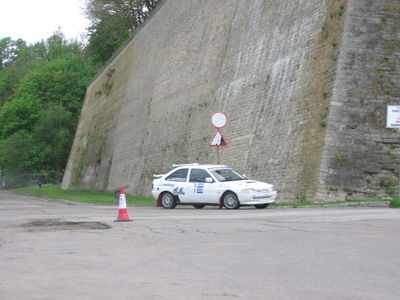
395, 203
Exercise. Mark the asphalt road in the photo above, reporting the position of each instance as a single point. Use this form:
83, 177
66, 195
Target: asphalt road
57, 250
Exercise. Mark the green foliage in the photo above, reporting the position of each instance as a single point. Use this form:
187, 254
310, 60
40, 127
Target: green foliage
301, 197
391, 190
395, 203
9, 50
325, 30
53, 134
62, 80
326, 95
112, 22
338, 159
19, 114
17, 59
18, 153
349, 190
42, 87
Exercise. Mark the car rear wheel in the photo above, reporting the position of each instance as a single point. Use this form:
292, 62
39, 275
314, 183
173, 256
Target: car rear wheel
199, 206
260, 206
168, 200
231, 201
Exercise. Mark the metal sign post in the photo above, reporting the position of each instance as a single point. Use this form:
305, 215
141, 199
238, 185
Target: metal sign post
218, 120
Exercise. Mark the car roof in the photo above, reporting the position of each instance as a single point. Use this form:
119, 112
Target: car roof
195, 165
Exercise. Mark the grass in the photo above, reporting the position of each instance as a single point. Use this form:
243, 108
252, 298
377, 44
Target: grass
107, 198
83, 196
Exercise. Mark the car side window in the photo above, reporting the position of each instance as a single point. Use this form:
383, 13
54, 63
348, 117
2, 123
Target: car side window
179, 175
198, 175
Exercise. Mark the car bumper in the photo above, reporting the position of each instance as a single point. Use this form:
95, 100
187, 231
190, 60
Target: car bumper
256, 198
155, 194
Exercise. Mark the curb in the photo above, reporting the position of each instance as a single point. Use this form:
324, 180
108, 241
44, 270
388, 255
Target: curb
338, 205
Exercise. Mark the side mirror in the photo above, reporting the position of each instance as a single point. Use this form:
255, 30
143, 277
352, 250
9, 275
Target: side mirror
209, 180
244, 176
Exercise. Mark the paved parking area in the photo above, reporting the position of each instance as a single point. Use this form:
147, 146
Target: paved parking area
58, 250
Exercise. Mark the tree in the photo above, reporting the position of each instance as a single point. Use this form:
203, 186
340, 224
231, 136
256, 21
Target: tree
57, 47
19, 114
53, 135
43, 86
9, 50
17, 59
18, 153
112, 22
62, 81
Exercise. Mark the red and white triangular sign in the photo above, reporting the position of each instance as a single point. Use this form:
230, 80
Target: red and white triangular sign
218, 140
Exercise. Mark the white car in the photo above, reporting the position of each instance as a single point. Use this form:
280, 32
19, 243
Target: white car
201, 185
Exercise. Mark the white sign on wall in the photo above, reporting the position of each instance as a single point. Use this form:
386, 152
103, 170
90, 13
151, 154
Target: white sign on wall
393, 116
218, 119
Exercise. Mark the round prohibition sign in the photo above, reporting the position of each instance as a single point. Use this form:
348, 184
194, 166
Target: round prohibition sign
218, 119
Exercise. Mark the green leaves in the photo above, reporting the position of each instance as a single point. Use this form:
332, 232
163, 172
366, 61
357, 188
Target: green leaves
9, 50
53, 134
19, 114
45, 85
112, 22
18, 153
62, 80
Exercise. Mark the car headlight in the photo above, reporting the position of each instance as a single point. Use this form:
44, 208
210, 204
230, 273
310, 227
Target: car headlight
248, 191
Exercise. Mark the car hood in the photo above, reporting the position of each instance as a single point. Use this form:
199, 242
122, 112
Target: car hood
248, 184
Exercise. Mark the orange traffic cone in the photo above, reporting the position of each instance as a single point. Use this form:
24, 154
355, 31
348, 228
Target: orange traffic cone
123, 212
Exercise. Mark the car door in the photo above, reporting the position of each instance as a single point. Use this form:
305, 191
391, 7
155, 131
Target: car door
178, 185
201, 189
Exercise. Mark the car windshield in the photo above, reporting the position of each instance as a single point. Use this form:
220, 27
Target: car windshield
226, 174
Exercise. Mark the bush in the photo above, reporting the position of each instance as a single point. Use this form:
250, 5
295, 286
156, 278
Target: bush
395, 203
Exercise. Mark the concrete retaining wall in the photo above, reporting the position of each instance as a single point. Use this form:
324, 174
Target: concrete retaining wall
288, 74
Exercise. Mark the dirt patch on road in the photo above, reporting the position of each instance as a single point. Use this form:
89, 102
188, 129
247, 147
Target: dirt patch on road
57, 224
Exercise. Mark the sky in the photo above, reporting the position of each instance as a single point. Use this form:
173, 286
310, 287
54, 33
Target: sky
34, 20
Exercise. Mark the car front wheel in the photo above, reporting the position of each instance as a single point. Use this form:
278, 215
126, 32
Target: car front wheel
231, 201
168, 201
